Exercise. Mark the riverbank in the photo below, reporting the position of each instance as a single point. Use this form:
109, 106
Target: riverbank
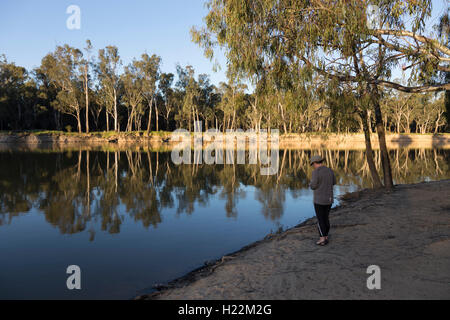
57, 139
405, 232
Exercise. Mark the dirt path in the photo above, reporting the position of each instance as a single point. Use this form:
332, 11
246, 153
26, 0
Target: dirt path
405, 232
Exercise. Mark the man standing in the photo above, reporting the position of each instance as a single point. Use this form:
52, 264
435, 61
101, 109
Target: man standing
322, 183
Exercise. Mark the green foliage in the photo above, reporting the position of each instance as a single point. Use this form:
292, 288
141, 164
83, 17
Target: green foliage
283, 44
17, 94
108, 74
316, 66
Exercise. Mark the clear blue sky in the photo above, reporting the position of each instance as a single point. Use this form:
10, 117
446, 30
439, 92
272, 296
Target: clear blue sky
30, 29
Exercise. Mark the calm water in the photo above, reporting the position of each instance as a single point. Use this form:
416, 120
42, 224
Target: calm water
131, 219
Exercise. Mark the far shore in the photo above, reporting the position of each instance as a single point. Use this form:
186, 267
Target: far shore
405, 232
343, 141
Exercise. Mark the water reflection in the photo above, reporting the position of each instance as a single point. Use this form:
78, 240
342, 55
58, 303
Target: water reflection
77, 187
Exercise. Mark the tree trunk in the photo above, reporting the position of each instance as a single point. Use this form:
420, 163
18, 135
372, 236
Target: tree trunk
234, 118
115, 112
56, 119
369, 152
156, 113
86, 90
387, 174
282, 117
131, 116
197, 118
149, 116
19, 121
436, 129
78, 120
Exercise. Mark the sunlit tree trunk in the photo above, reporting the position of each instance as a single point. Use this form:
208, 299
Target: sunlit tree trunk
78, 119
116, 124
157, 116
149, 116
86, 92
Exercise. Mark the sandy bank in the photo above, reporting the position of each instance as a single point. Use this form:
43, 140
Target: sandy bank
289, 141
405, 232
356, 141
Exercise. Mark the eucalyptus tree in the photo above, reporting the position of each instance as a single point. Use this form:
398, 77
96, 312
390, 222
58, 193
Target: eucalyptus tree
177, 103
338, 40
12, 87
108, 73
346, 107
232, 102
423, 113
443, 29
212, 112
132, 83
191, 101
439, 108
95, 104
149, 68
427, 112
84, 71
419, 112
165, 87
254, 113
61, 69
188, 110
208, 99
46, 94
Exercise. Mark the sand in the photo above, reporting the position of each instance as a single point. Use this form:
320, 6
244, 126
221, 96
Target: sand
333, 141
405, 232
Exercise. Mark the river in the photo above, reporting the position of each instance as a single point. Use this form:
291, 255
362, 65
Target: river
132, 219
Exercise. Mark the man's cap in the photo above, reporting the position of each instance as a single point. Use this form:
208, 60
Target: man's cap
315, 159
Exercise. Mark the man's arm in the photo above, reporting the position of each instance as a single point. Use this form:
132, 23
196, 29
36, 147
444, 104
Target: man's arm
314, 180
334, 178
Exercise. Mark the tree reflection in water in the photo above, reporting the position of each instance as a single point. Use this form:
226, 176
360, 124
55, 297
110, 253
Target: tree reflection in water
77, 187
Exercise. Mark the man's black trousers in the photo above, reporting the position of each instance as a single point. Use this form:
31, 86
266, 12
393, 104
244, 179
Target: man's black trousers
322, 214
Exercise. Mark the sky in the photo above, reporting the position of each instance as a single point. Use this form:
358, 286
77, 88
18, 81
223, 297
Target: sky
30, 29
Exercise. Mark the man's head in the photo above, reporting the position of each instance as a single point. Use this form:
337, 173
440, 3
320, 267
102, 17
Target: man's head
316, 161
